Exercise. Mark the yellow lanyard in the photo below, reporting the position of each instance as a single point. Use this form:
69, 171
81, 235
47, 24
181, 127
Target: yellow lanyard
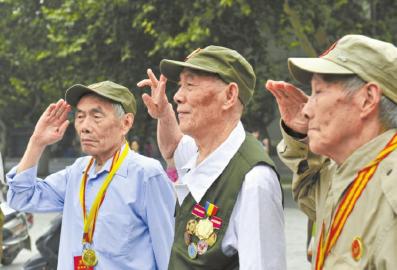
89, 223
348, 202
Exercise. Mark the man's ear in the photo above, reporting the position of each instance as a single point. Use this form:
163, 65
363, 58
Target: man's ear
371, 96
127, 122
231, 97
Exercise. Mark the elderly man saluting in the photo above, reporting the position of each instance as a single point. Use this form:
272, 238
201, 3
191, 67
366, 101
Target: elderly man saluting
340, 143
117, 205
229, 213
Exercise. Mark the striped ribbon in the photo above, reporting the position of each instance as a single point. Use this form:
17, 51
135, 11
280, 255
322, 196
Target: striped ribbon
348, 202
90, 221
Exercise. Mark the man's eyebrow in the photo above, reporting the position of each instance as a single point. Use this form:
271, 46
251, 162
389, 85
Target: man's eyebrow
97, 110
94, 110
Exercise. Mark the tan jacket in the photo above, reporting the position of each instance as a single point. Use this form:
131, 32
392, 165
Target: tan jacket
318, 186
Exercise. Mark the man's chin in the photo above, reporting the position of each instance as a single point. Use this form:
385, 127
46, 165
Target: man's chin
88, 150
316, 149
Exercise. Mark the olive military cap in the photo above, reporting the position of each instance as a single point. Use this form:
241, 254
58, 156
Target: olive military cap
228, 64
370, 59
106, 89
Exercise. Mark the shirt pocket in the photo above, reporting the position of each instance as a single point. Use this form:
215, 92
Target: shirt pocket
113, 234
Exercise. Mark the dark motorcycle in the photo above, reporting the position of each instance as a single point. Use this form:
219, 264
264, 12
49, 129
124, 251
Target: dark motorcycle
15, 233
48, 246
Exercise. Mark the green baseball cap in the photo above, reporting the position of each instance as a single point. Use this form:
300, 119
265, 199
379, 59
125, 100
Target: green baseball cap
370, 59
106, 89
228, 64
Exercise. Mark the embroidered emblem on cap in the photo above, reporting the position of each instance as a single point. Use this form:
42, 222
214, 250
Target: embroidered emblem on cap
357, 248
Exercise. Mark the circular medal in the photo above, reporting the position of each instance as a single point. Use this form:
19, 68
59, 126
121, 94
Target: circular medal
89, 257
204, 229
191, 226
192, 251
211, 240
202, 247
188, 238
357, 248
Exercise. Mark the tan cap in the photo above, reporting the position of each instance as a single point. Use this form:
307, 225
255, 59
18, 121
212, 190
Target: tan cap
106, 89
370, 59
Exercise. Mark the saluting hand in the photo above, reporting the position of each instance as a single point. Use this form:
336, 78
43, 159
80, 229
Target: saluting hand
156, 103
52, 124
290, 101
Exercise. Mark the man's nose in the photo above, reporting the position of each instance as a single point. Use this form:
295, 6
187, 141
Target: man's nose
85, 125
178, 97
307, 109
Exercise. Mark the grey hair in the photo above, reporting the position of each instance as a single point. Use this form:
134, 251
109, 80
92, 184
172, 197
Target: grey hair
353, 83
388, 112
118, 109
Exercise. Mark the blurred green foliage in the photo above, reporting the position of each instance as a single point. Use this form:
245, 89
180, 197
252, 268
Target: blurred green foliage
48, 45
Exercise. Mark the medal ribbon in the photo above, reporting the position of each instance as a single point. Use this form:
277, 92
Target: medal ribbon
89, 222
348, 202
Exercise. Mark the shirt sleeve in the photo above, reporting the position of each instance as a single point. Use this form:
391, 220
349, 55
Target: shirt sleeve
28, 193
306, 167
160, 205
256, 228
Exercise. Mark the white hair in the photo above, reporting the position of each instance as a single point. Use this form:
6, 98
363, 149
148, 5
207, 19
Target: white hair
118, 109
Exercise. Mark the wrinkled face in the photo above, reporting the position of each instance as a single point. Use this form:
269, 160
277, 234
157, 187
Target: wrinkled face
101, 132
199, 99
333, 117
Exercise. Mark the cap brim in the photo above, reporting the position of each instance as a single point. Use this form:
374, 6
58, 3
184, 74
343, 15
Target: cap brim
75, 92
172, 69
302, 69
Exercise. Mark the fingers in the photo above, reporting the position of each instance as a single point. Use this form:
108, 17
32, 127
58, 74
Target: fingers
60, 110
283, 90
151, 81
294, 92
274, 87
145, 82
161, 97
152, 78
150, 105
147, 100
62, 128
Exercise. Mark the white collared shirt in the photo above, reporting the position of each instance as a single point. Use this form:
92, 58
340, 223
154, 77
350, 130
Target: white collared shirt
256, 226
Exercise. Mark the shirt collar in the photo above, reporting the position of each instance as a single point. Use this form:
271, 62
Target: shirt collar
122, 171
200, 178
347, 171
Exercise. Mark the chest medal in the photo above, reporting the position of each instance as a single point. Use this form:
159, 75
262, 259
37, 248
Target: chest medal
200, 234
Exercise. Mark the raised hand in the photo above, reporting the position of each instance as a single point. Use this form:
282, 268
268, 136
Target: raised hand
156, 103
52, 124
290, 101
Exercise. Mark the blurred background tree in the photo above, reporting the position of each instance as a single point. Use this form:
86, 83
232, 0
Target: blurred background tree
47, 46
